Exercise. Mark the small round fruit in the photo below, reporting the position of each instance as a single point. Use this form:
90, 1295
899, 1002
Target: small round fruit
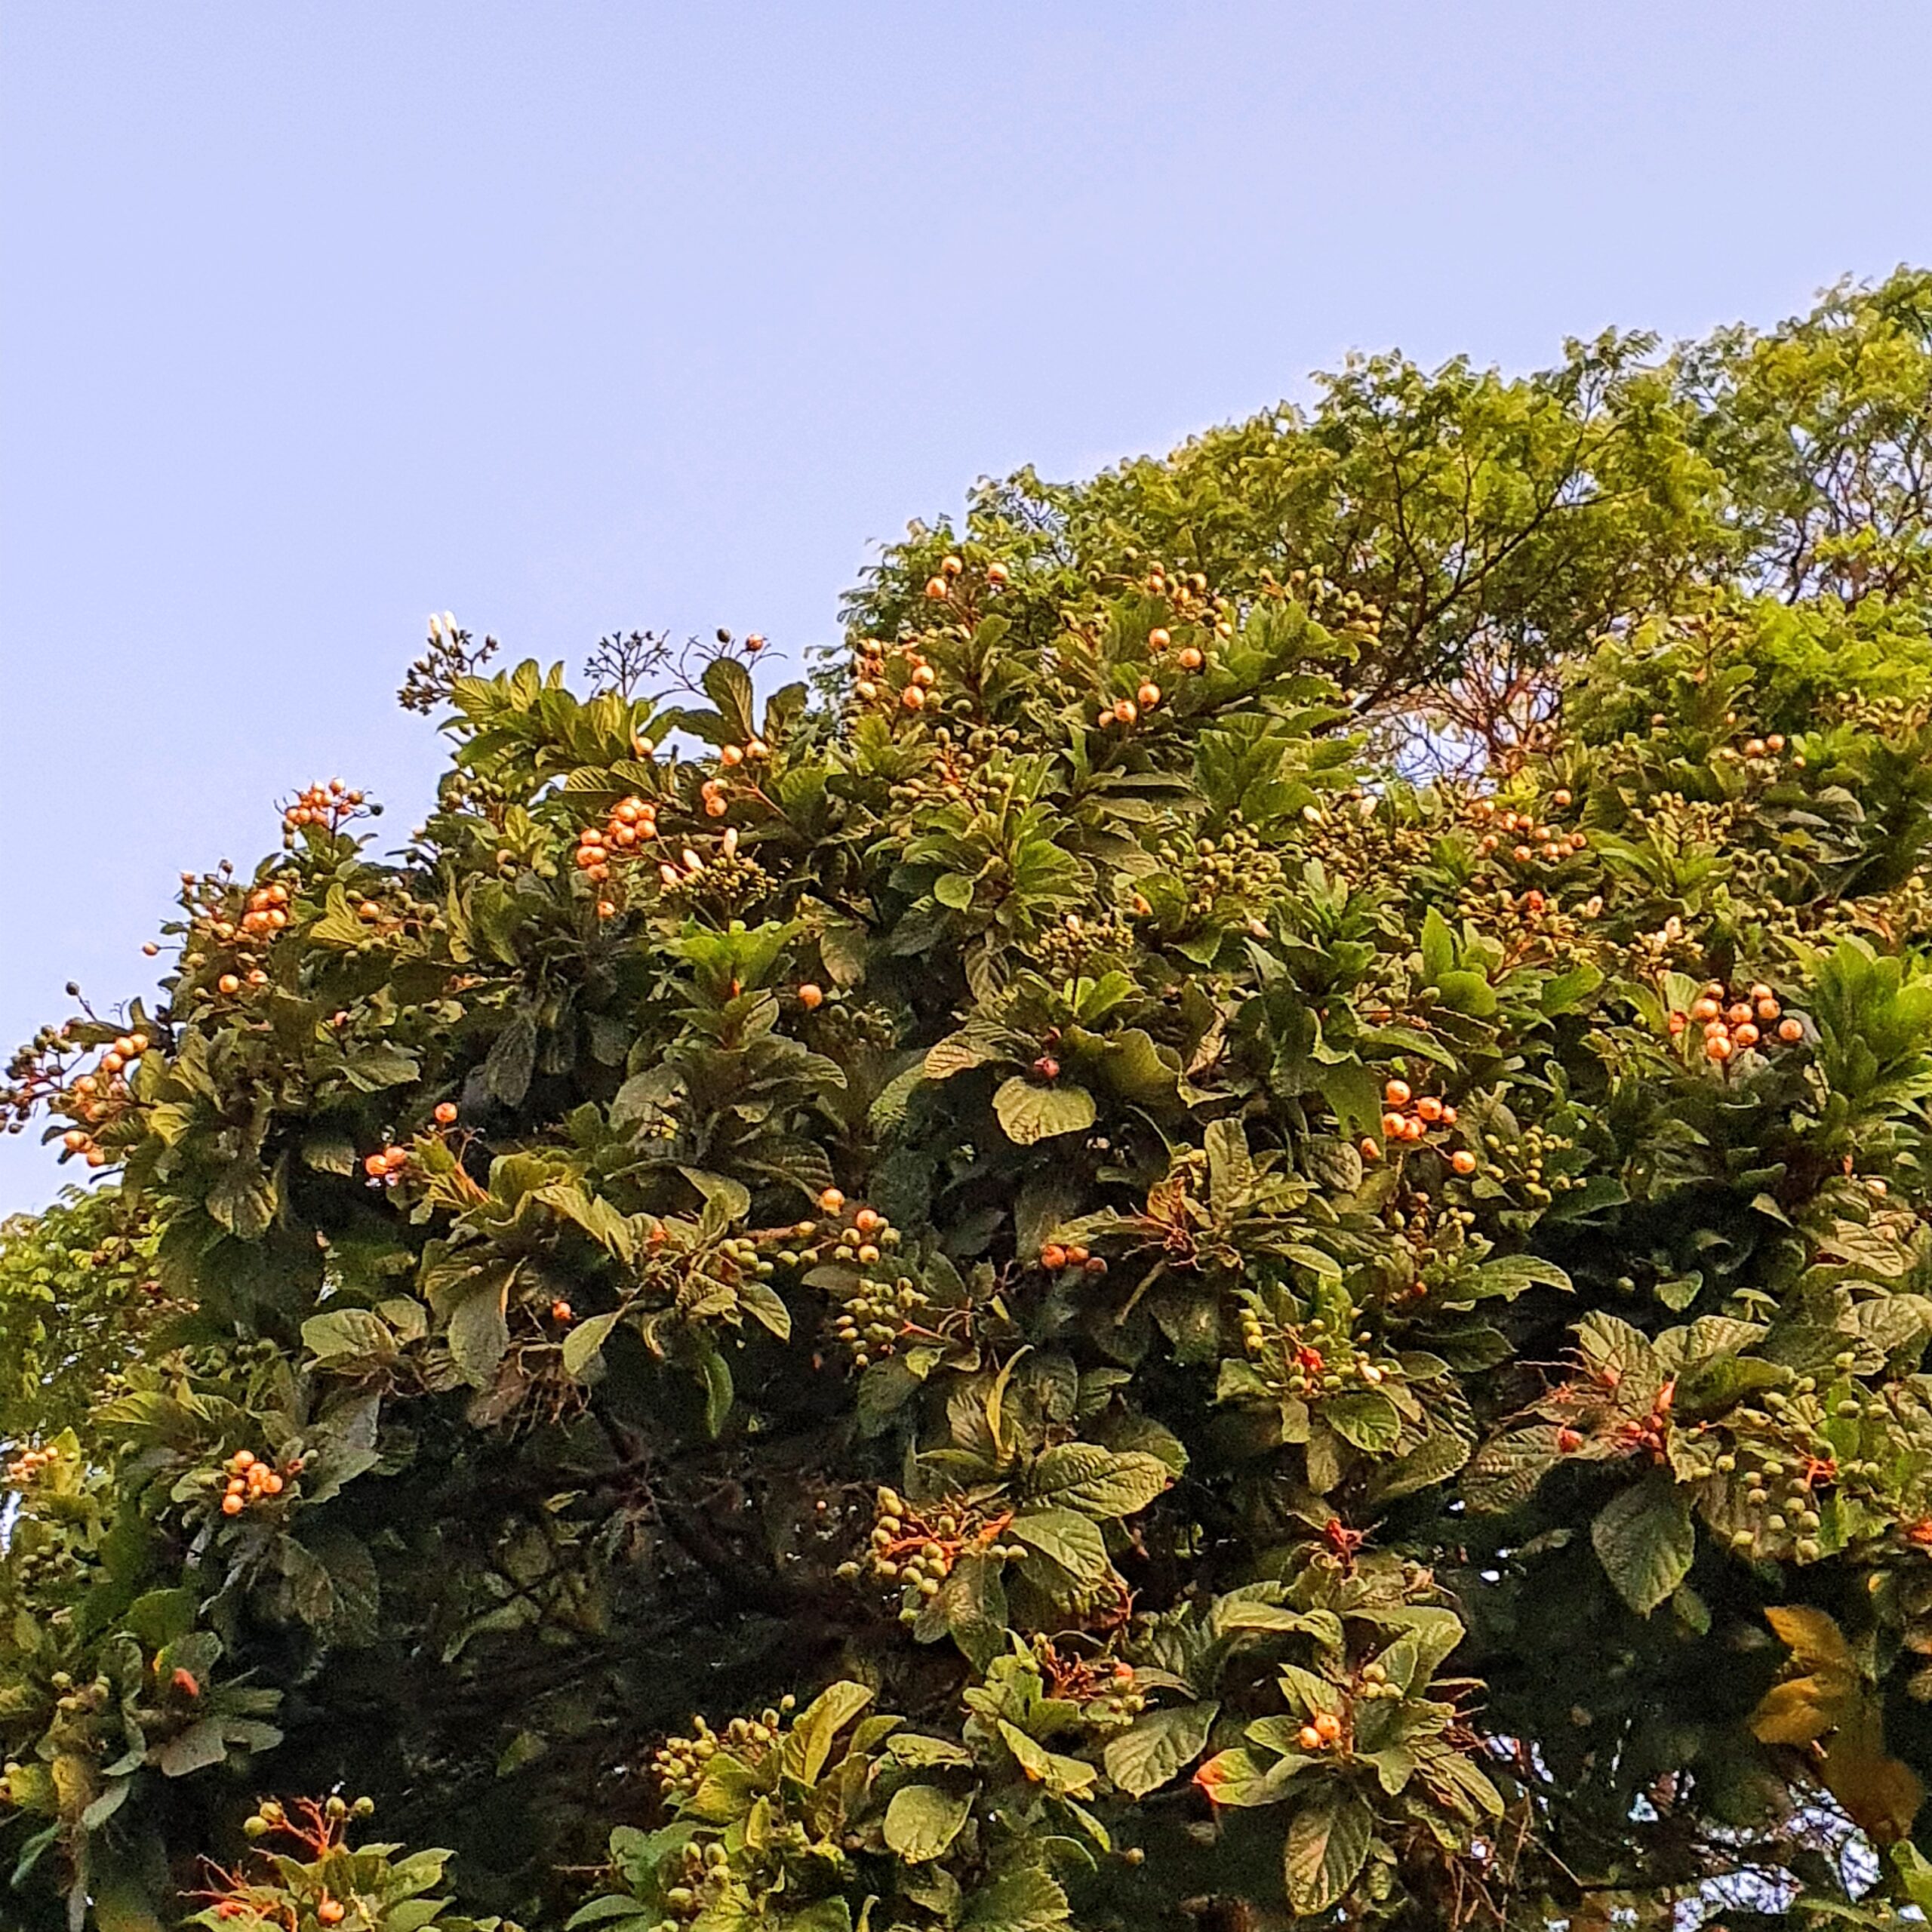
446, 1114
561, 1311
1462, 1161
831, 1201
811, 996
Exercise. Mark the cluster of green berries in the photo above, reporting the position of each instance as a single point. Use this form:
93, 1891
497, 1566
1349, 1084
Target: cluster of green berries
917, 1549
1314, 1359
875, 1312
679, 1762
1533, 1161
1233, 872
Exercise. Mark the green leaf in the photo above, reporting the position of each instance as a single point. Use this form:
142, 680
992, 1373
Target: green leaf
243, 1198
1072, 1541
478, 1333
1367, 1418
1328, 1841
511, 1061
1025, 1900
381, 1065
194, 1749
766, 1307
352, 1332
922, 1820
1644, 1538
585, 1343
1029, 1111
809, 1742
1160, 1745
1097, 1482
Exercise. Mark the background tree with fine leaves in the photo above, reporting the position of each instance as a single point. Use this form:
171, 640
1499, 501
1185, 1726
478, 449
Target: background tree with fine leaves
1232, 1233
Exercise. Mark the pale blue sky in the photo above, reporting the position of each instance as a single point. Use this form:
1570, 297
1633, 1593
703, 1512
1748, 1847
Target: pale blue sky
316, 317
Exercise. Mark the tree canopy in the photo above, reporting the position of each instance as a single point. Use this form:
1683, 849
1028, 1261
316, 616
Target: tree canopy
1232, 1232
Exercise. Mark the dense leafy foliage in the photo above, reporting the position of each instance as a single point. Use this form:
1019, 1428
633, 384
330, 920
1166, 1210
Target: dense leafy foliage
1042, 1289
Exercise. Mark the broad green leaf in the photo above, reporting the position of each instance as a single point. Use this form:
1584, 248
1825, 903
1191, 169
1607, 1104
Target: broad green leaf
1160, 1744
1029, 1110
922, 1820
1644, 1538
585, 1343
1328, 1839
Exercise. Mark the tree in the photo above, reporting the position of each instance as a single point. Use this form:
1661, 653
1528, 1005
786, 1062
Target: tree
1046, 1290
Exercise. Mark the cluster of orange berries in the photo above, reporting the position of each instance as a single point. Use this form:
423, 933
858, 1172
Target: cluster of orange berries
1190, 656
1772, 746
714, 793
920, 677
330, 806
631, 822
251, 1480
1731, 1025
1531, 838
1055, 1256
27, 1466
386, 1168
267, 910
1410, 1117
1126, 711
99, 1095
938, 586
1321, 1732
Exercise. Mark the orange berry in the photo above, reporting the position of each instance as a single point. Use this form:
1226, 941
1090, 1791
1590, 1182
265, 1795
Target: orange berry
446, 1113
1125, 712
1308, 1738
1706, 1008
330, 1911
913, 698
935, 588
1718, 1047
1745, 1036
1429, 1107
1414, 1129
1738, 1013
1328, 1727
1368, 1150
1149, 695
1789, 1030
229, 984
560, 1311
1077, 1256
1052, 1256
731, 755
233, 1505
1396, 1093
1561, 797
950, 566
1158, 639
1462, 1161
811, 996
1191, 659
1768, 1009
831, 1201
996, 574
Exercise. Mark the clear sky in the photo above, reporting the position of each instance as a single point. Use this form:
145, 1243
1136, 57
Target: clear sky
317, 317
